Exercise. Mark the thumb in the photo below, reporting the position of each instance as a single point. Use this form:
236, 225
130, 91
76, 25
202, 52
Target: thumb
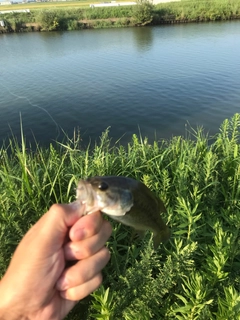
52, 228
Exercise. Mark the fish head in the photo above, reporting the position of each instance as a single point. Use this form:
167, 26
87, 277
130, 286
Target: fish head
104, 194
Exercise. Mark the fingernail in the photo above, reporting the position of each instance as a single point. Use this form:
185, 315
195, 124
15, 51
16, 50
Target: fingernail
62, 284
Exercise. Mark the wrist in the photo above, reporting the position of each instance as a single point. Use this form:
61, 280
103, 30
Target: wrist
11, 315
9, 306
9, 310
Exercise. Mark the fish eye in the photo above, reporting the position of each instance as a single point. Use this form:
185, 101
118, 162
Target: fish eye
103, 186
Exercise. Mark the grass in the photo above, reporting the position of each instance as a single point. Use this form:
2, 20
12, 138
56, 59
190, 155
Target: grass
198, 10
196, 274
66, 19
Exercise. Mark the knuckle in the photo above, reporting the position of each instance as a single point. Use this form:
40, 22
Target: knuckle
108, 228
98, 279
106, 254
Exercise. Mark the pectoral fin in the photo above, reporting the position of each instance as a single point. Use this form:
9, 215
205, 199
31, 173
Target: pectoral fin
162, 236
141, 233
138, 234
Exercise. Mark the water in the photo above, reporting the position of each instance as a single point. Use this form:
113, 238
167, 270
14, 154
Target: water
156, 79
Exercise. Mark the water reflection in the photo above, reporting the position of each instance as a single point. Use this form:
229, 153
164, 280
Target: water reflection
143, 38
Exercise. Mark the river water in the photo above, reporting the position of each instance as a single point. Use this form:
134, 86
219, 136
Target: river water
152, 79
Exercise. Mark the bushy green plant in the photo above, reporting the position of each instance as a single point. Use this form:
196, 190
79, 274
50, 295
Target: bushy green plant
48, 20
142, 13
107, 12
101, 24
197, 10
73, 25
195, 275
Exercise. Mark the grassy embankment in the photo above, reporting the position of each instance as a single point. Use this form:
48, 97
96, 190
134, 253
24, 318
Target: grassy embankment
78, 15
195, 275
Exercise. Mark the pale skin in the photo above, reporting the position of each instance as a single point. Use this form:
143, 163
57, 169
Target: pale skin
37, 285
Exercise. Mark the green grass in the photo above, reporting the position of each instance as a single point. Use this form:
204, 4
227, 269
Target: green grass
195, 275
198, 10
66, 18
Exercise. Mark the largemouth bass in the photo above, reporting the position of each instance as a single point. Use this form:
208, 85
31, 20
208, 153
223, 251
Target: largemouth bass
125, 200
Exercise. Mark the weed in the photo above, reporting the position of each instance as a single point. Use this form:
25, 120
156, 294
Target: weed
195, 275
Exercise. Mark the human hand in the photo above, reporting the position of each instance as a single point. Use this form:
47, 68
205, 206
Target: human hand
37, 285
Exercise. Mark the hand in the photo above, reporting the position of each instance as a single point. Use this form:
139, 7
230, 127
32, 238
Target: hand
37, 285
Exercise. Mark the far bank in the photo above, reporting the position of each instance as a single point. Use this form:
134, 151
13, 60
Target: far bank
69, 17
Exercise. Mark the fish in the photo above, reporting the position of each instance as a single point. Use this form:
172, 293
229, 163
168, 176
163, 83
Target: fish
127, 201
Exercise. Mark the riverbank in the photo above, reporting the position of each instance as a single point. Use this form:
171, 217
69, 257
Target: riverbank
195, 274
144, 13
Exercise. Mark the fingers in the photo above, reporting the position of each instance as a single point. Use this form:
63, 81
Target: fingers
86, 227
83, 249
83, 290
87, 239
84, 277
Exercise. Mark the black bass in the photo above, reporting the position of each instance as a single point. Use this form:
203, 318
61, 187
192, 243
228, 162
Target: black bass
125, 200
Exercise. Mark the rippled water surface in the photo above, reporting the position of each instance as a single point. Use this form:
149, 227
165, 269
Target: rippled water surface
153, 78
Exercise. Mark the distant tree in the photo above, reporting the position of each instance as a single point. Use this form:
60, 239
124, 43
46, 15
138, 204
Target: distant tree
143, 12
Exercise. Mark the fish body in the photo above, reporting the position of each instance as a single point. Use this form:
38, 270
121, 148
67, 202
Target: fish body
127, 201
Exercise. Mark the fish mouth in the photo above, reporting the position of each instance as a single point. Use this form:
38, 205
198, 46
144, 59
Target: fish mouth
85, 195
84, 192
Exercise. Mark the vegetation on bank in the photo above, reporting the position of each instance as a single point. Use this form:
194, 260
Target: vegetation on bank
144, 13
196, 274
